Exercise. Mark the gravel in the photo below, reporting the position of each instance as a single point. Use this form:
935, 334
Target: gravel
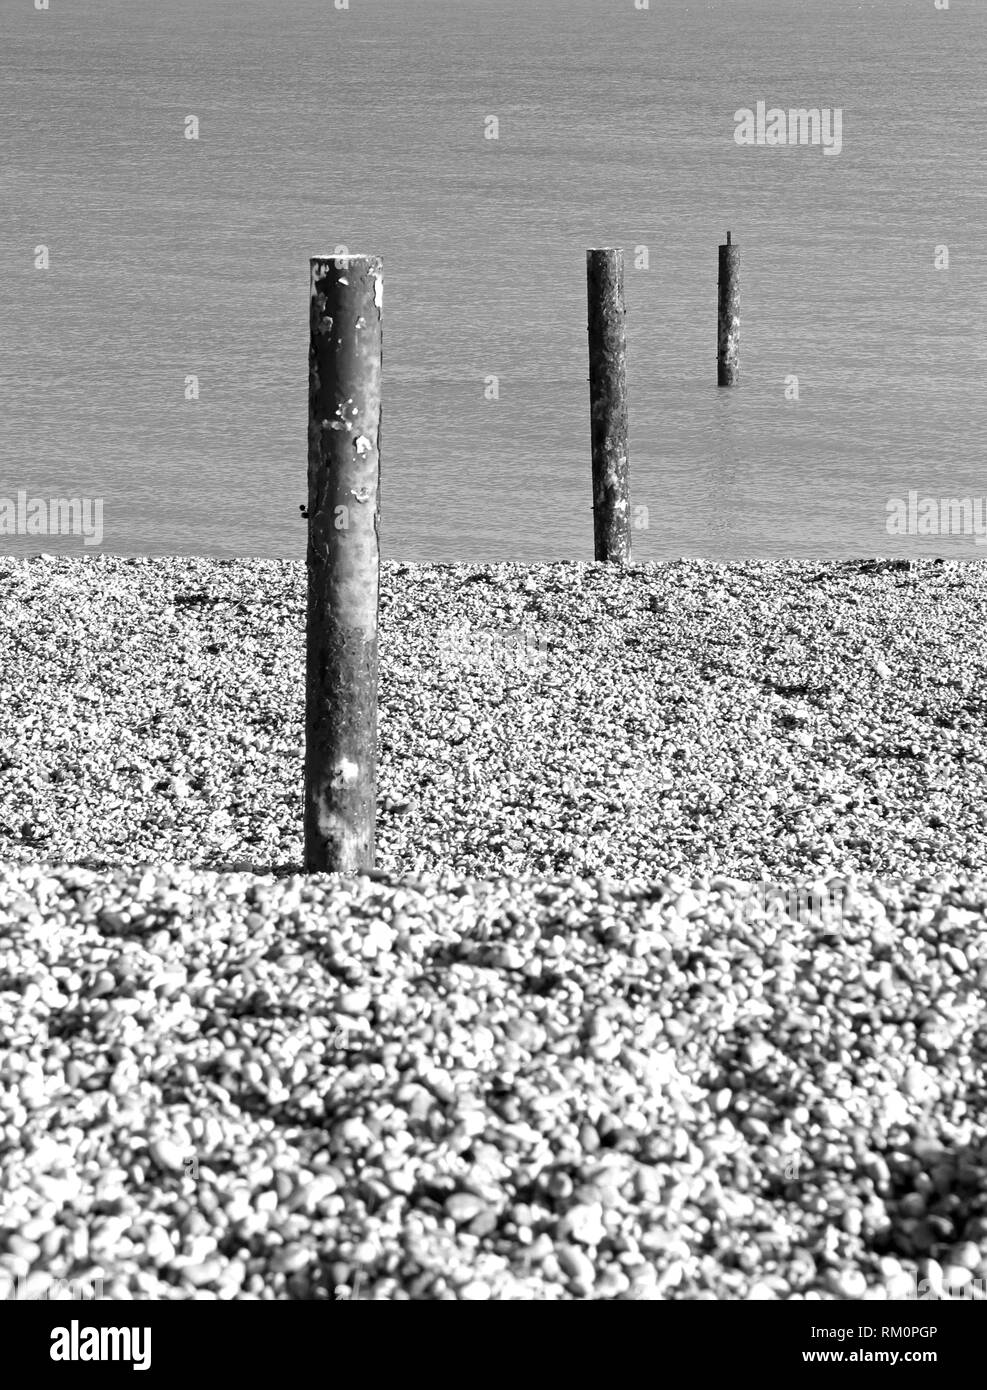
551, 719
669, 986
567, 1089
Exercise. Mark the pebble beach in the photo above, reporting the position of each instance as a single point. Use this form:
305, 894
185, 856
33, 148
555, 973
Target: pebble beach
669, 983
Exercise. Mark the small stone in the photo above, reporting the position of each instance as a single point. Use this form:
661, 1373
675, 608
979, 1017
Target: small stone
200, 1248
611, 1282
584, 1223
589, 1139
309, 1194
737, 1206
648, 1184
476, 1291
464, 1206
354, 1132
688, 905
832, 1115
916, 1083
672, 1276
559, 1186
167, 1155
578, 1266
527, 1034
354, 1002
879, 1171
853, 1221
957, 959
232, 1276
901, 1286
159, 1247
199, 1275
36, 1229
966, 1254
846, 1283
403, 1180
24, 1249
51, 1244
483, 1224
290, 1258
757, 1053
912, 1205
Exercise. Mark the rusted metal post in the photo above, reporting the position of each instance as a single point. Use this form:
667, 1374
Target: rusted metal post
608, 405
344, 368
728, 316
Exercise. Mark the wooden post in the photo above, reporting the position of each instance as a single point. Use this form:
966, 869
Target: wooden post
728, 316
343, 563
608, 405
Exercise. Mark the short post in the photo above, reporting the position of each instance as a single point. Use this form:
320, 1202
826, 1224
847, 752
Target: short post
728, 316
608, 405
343, 563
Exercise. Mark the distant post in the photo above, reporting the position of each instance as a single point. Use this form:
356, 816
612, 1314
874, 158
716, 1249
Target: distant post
343, 563
608, 405
728, 316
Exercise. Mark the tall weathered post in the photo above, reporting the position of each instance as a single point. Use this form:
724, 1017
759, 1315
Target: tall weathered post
728, 316
343, 562
608, 404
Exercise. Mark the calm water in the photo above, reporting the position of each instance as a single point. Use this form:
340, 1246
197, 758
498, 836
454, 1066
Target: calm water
172, 257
